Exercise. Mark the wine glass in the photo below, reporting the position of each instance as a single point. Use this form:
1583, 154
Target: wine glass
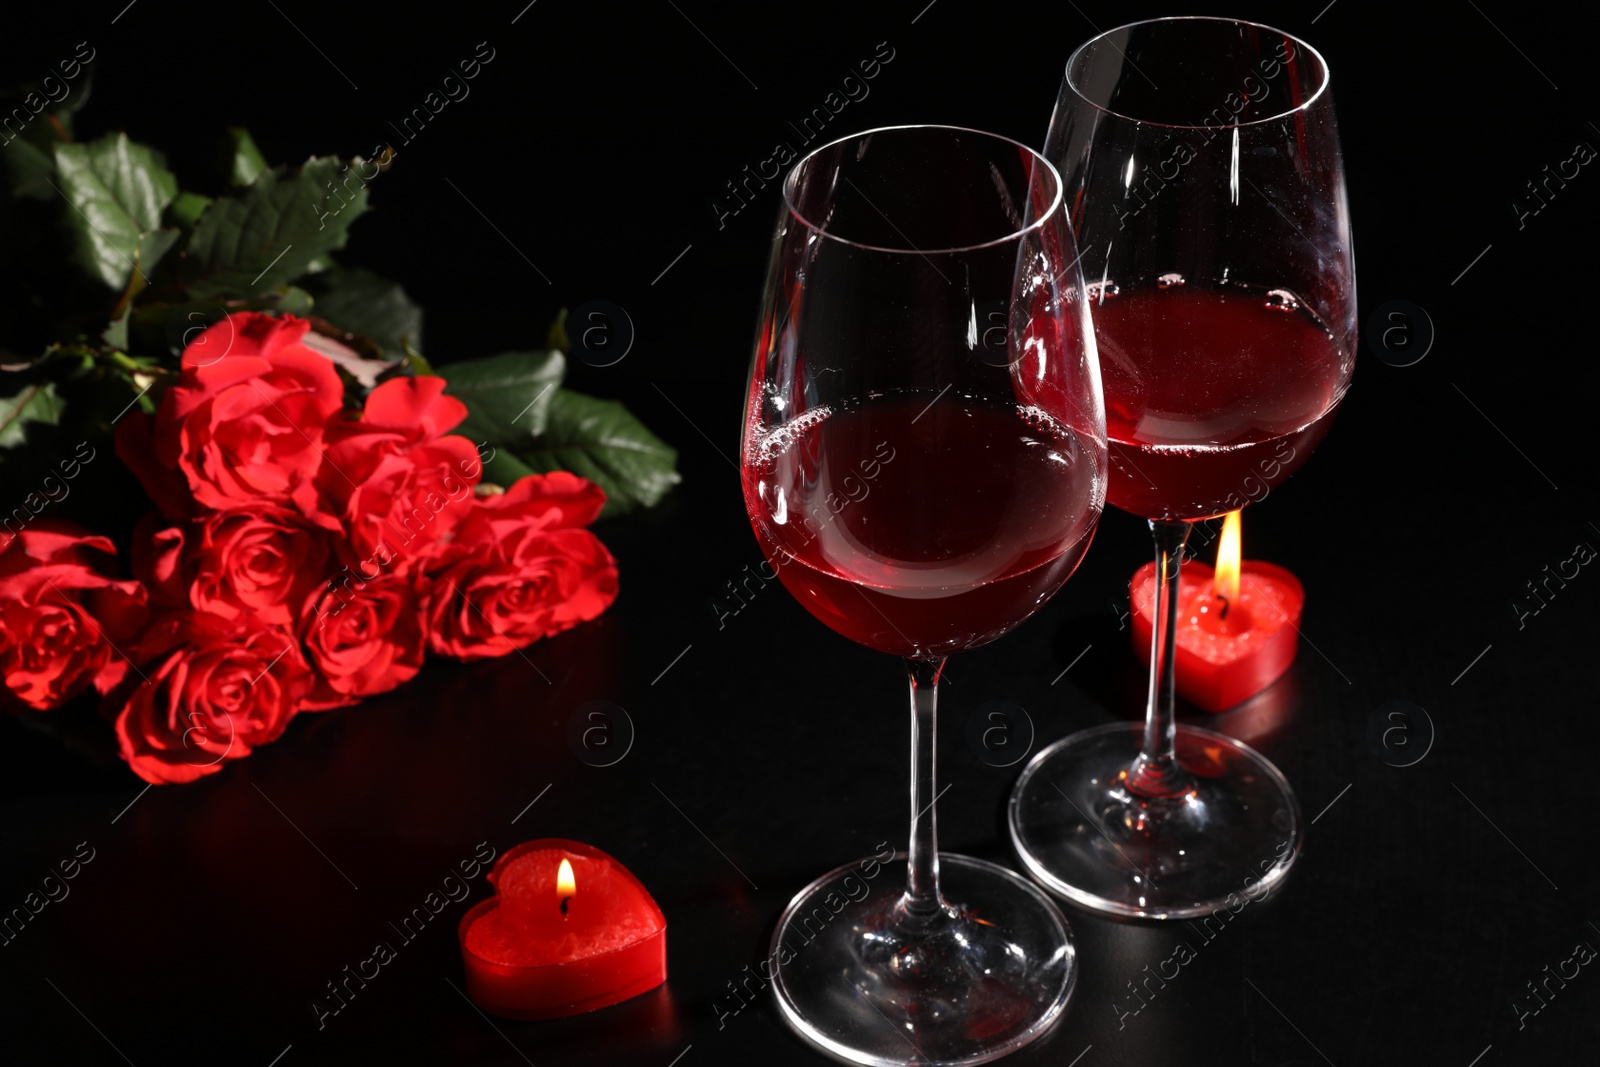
924, 465
1202, 162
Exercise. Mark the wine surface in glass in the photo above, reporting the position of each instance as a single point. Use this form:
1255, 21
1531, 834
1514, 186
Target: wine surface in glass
1213, 395
920, 525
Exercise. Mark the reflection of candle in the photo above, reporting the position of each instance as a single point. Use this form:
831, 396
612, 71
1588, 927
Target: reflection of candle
1237, 628
569, 930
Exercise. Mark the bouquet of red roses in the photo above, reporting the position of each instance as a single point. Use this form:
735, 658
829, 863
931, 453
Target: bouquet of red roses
327, 508
301, 556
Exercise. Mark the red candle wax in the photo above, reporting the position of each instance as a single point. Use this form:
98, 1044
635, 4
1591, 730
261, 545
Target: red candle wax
1224, 660
539, 949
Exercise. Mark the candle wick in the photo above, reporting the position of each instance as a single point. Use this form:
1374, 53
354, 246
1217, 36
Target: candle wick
564, 902
1223, 614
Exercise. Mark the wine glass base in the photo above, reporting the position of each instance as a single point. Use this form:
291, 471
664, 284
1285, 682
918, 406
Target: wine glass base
982, 979
1228, 840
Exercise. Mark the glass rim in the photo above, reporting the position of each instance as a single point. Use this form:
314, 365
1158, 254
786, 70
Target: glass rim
1322, 88
1056, 202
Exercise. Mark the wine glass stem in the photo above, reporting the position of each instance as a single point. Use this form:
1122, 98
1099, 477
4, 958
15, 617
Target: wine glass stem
922, 900
1156, 773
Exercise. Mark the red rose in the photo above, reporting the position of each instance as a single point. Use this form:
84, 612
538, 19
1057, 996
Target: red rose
363, 638
396, 480
549, 501
61, 616
245, 419
263, 561
518, 570
213, 692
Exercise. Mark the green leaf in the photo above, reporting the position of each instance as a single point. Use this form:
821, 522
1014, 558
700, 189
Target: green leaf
242, 159
29, 170
134, 175
116, 335
36, 403
186, 210
362, 302
503, 468
116, 191
26, 156
51, 121
255, 239
291, 300
602, 441
415, 361
507, 396
556, 337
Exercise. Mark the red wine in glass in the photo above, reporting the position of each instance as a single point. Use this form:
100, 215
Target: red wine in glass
1201, 158
922, 529
1214, 395
923, 463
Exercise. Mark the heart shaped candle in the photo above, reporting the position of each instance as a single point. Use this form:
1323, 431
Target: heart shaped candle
1237, 627
568, 930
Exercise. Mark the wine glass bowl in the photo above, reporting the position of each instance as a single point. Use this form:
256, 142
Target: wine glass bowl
1202, 160
912, 482
1210, 207
924, 464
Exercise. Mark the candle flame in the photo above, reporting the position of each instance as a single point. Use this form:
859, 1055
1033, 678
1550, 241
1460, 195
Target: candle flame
1225, 584
566, 884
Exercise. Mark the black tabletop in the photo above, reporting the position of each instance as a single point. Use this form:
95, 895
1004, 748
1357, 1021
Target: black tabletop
1441, 913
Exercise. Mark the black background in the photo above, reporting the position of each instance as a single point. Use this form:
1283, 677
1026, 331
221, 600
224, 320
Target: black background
595, 141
